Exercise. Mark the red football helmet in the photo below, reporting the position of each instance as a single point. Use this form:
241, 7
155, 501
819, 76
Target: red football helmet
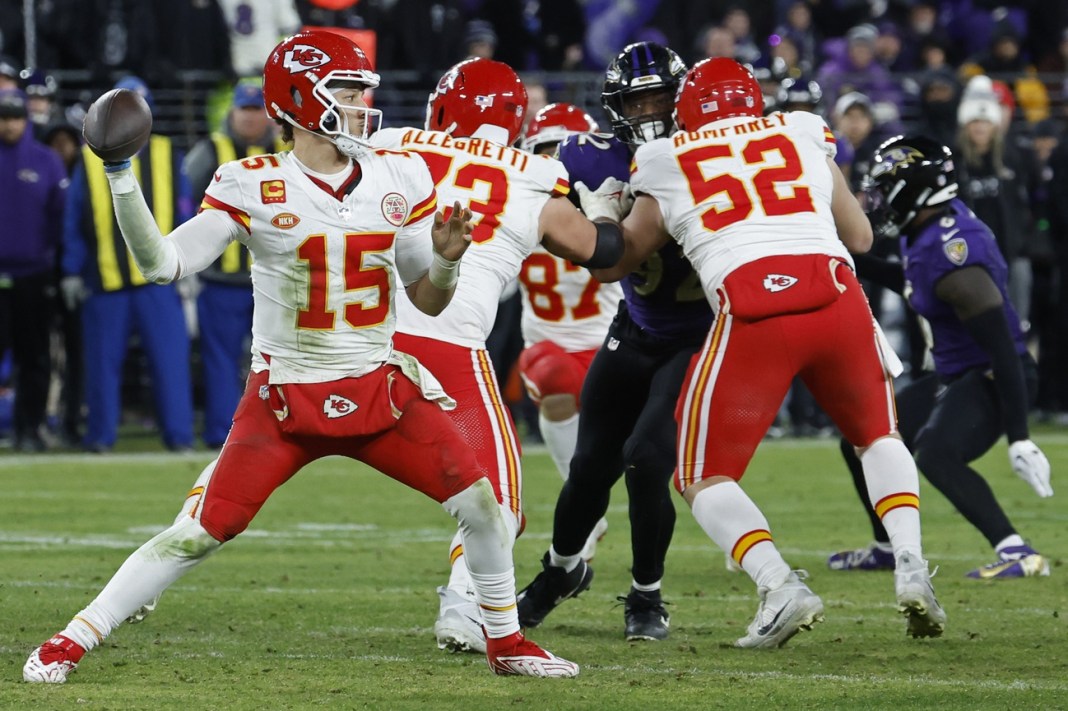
556, 122
717, 88
296, 78
477, 92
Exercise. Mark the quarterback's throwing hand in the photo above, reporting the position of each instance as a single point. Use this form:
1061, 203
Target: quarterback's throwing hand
1031, 465
452, 235
612, 199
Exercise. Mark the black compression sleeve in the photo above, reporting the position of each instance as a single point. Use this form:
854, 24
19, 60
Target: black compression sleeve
990, 329
881, 271
609, 248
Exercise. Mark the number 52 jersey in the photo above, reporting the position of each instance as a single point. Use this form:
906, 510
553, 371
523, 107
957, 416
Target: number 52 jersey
744, 188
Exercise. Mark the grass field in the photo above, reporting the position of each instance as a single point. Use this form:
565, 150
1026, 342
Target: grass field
328, 600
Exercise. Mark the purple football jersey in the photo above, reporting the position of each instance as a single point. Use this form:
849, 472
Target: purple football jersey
954, 241
590, 158
664, 296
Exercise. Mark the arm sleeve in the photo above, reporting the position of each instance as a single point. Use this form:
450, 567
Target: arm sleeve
990, 330
74, 249
201, 240
978, 303
161, 260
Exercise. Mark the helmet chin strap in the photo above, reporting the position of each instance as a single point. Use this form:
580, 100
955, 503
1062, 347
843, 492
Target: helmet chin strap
346, 145
349, 146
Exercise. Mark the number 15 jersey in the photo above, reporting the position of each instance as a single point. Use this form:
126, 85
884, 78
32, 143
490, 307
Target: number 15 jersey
326, 267
744, 188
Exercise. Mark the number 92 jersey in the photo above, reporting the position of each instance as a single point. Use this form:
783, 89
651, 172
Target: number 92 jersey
744, 188
327, 267
506, 190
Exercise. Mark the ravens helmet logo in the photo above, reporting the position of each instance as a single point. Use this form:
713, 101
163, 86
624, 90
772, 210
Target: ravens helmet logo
893, 159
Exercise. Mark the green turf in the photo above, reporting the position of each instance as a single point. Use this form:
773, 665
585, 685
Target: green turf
328, 600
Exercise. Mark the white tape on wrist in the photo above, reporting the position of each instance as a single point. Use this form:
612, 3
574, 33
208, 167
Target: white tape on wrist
444, 272
122, 181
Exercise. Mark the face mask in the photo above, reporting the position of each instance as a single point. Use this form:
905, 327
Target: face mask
650, 131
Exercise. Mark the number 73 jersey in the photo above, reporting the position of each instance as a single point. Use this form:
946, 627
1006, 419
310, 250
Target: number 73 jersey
744, 188
506, 190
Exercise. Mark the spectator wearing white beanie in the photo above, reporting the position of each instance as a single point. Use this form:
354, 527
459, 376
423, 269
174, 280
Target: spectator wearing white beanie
979, 108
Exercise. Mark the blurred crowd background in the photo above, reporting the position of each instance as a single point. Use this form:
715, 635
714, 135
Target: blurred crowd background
987, 78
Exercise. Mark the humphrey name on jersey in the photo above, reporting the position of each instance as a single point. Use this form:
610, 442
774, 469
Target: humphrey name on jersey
765, 123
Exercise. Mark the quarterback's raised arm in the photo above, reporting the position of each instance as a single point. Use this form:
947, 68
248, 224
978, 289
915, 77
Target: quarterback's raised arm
188, 249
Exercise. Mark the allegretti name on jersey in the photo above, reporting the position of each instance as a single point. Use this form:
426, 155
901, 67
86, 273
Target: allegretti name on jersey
415, 138
765, 123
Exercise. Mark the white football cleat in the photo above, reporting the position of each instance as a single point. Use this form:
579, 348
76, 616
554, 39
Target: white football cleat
590, 549
459, 624
916, 598
515, 655
53, 661
783, 612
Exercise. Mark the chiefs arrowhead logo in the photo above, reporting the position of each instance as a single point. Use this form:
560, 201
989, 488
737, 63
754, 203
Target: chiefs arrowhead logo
304, 57
336, 406
778, 282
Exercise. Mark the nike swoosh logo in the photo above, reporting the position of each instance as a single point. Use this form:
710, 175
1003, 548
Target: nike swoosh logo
948, 235
768, 627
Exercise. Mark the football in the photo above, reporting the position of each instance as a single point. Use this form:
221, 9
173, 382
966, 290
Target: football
117, 125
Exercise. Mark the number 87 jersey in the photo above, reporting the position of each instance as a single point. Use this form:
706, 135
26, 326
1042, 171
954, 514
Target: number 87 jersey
743, 188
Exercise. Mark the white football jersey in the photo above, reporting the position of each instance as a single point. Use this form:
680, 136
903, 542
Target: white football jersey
564, 304
744, 188
506, 190
327, 269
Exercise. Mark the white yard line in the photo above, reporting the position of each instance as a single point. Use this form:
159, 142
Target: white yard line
24, 460
865, 679
848, 616
327, 535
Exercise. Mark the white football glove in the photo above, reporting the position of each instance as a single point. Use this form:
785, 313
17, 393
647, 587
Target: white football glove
612, 199
1031, 465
